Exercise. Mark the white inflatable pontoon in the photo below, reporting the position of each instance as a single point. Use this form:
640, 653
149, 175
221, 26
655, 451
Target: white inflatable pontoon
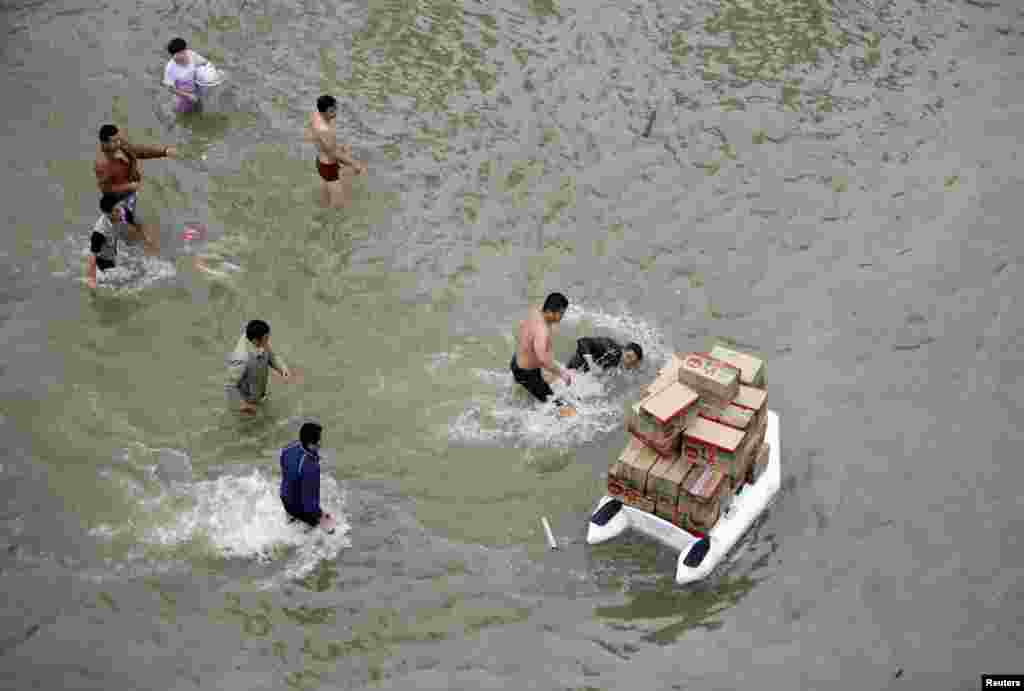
732, 525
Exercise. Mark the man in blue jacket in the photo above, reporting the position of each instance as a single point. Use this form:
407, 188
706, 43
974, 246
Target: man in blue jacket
300, 479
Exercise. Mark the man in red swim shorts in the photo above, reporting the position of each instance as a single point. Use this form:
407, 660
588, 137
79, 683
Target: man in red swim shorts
331, 156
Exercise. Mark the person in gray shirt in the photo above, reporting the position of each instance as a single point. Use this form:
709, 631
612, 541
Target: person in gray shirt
249, 367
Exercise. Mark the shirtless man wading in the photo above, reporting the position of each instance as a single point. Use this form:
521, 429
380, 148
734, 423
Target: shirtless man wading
331, 156
533, 352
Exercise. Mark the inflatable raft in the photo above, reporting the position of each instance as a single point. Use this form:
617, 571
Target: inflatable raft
697, 557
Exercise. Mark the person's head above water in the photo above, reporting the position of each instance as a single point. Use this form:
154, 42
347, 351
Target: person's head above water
554, 307
110, 138
178, 50
327, 106
309, 435
258, 332
632, 355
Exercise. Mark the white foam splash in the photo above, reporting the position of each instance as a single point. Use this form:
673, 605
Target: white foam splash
239, 517
135, 273
512, 418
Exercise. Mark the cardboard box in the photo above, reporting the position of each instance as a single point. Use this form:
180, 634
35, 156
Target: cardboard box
709, 377
648, 424
637, 460
701, 500
704, 483
753, 399
730, 415
700, 518
637, 501
752, 369
760, 463
711, 443
671, 403
665, 508
666, 477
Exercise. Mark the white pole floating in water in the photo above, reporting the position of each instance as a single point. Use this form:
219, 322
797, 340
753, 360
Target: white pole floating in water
547, 529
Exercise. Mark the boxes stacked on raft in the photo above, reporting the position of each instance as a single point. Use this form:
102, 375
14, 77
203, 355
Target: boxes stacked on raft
695, 439
659, 420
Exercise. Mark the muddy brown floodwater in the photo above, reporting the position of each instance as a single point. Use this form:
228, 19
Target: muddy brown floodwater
834, 184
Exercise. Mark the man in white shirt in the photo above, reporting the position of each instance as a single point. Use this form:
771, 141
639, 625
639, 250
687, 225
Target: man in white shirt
180, 76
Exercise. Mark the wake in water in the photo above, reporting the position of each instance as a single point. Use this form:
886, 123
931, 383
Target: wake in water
134, 272
230, 517
510, 416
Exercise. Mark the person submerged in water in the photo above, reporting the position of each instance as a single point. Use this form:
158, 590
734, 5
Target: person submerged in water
300, 479
249, 367
331, 156
533, 351
605, 353
116, 224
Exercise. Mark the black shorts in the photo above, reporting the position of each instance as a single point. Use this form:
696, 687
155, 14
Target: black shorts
310, 519
532, 381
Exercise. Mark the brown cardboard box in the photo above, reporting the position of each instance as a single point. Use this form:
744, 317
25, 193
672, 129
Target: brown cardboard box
665, 507
704, 483
638, 501
701, 518
663, 485
637, 460
709, 377
760, 463
711, 443
752, 369
730, 415
746, 454
659, 419
670, 403
753, 399
700, 501
666, 477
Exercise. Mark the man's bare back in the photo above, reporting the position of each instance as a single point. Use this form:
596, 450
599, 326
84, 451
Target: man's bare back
534, 340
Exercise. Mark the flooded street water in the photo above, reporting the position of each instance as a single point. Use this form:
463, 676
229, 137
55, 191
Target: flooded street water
831, 184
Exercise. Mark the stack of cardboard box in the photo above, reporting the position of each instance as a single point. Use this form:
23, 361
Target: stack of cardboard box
695, 439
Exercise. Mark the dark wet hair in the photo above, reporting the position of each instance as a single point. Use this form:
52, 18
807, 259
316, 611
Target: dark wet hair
325, 103
309, 433
256, 329
108, 202
106, 132
176, 45
556, 302
97, 241
635, 347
